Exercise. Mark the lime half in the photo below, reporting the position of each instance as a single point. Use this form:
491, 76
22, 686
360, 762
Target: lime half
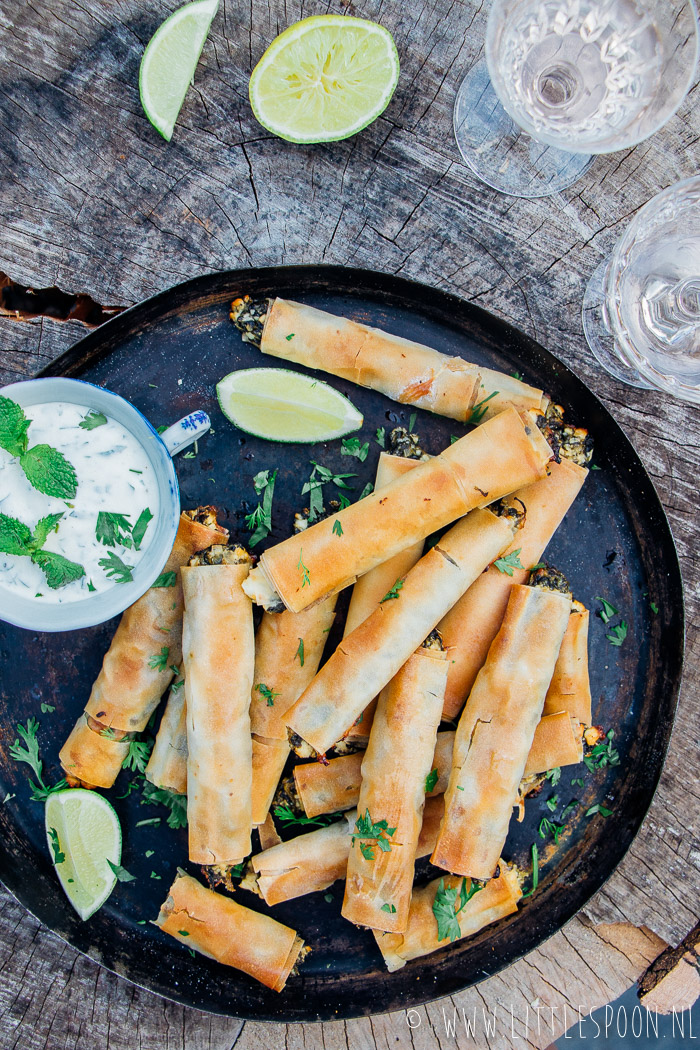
324, 78
83, 833
280, 405
169, 62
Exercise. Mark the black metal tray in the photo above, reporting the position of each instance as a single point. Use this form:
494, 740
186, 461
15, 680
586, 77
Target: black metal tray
165, 355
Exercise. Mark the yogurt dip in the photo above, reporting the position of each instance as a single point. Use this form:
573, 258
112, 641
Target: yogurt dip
114, 476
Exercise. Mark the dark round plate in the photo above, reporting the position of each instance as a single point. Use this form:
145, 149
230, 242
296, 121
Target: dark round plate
166, 355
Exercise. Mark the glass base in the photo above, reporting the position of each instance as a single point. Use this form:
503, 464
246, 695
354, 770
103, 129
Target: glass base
598, 334
499, 152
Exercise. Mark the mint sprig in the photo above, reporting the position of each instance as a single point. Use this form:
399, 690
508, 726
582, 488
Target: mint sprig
13, 427
17, 538
45, 467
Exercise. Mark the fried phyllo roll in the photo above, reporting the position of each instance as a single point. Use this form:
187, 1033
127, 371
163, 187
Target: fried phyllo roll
495, 459
288, 649
558, 741
219, 655
167, 765
326, 788
471, 625
369, 657
408, 372
371, 588
496, 730
93, 754
498, 898
395, 767
570, 688
221, 929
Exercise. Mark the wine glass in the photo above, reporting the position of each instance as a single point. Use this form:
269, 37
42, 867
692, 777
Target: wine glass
566, 79
641, 310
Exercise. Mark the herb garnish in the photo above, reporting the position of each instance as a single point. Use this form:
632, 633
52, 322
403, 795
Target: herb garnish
552, 803
553, 775
45, 468
393, 593
122, 874
112, 529
430, 781
30, 755
261, 518
305, 575
290, 336
479, 410
509, 562
93, 419
267, 693
321, 476
139, 529
17, 538
159, 661
300, 652
177, 804
337, 528
618, 633
166, 579
377, 831
602, 754
548, 826
352, 447
47, 709
608, 610
390, 908
381, 437
115, 567
535, 871
289, 818
654, 607
598, 808
412, 421
445, 907
137, 756
58, 855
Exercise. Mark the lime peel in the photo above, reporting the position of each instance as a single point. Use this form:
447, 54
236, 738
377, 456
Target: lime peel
277, 404
324, 78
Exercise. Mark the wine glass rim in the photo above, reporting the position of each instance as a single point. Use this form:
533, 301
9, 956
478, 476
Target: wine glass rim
587, 147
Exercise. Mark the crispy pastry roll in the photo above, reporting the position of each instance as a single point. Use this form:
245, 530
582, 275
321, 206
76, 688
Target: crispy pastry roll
319, 858
93, 754
221, 929
496, 730
495, 459
327, 788
219, 655
471, 625
288, 650
570, 688
397, 762
167, 766
558, 741
498, 898
372, 654
371, 588
406, 371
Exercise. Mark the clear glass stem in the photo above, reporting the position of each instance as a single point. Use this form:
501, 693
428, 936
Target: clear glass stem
596, 327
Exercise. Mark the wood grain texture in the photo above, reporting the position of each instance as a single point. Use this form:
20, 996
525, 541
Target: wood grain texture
93, 201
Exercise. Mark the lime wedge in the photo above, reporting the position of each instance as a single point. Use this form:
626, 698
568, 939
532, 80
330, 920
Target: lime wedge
169, 62
280, 405
83, 833
324, 78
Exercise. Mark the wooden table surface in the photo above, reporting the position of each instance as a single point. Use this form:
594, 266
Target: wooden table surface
95, 203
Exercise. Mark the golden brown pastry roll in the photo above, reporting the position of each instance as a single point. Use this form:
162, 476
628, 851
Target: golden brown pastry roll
497, 458
221, 929
372, 654
93, 754
498, 898
406, 371
558, 741
288, 650
570, 688
219, 655
397, 762
496, 730
167, 765
134, 675
471, 625
335, 785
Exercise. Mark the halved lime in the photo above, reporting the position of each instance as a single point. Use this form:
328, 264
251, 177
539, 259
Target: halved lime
83, 833
324, 78
280, 405
169, 62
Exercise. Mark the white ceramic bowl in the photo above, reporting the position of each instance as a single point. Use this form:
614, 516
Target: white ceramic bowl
100, 606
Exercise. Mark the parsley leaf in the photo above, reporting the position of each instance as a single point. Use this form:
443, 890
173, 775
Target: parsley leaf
139, 529
390, 908
393, 593
479, 410
306, 577
289, 818
337, 528
602, 754
608, 610
412, 421
58, 855
300, 652
352, 447
509, 562
554, 775
267, 693
159, 661
122, 874
260, 520
369, 487
49, 471
93, 419
177, 804
114, 566
138, 756
548, 826
112, 529
166, 579
30, 755
381, 437
617, 634
598, 808
535, 871
654, 607
430, 781
378, 831
47, 709
446, 910
13, 427
552, 803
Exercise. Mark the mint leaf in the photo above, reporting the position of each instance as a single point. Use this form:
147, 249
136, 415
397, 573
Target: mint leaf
49, 471
13, 427
58, 570
112, 529
116, 568
92, 420
15, 537
139, 529
43, 528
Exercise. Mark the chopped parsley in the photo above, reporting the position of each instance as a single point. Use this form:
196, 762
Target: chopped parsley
479, 410
305, 575
138, 755
321, 476
598, 808
430, 781
159, 661
381, 437
535, 871
352, 447
602, 754
549, 827
337, 528
552, 803
122, 874
390, 908
58, 855
608, 610
30, 755
289, 818
93, 419
369, 487
393, 593
177, 804
446, 909
267, 693
116, 568
290, 336
47, 709
260, 520
370, 832
300, 652
509, 562
139, 529
553, 775
166, 579
112, 529
617, 634
412, 421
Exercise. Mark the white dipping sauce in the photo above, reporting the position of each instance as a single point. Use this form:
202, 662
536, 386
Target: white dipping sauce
114, 474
